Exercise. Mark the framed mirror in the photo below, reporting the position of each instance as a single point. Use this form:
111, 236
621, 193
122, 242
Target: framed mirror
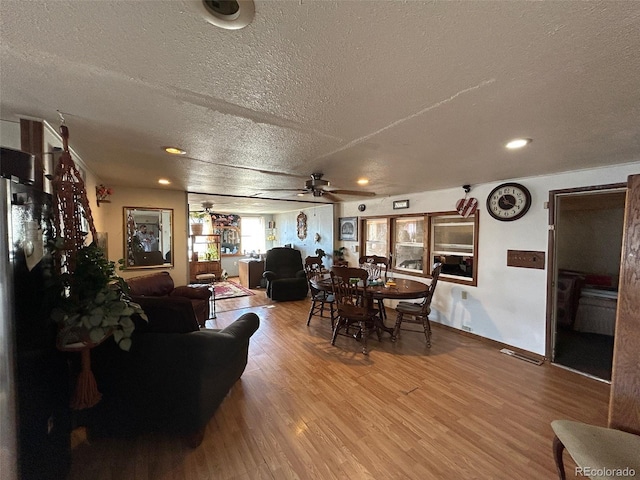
148, 237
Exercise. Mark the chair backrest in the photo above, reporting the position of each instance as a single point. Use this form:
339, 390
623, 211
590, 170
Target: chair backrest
375, 265
426, 303
349, 286
285, 262
313, 268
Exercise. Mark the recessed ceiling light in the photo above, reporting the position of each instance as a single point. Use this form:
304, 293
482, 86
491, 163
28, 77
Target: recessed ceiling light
228, 14
164, 181
518, 143
363, 181
174, 150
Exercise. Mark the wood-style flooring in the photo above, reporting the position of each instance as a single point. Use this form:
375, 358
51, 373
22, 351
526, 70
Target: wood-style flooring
307, 410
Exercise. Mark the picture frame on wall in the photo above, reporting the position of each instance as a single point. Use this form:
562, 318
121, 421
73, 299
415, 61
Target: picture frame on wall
348, 228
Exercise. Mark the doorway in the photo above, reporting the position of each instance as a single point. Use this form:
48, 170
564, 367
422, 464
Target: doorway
585, 248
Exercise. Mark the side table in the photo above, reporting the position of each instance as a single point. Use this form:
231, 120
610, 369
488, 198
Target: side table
211, 278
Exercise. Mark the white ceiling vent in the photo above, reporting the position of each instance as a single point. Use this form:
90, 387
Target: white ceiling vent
229, 14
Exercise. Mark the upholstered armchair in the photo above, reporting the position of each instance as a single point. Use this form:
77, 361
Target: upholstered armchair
285, 275
160, 284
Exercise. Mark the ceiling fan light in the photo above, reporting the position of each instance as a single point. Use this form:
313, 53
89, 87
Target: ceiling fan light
363, 181
518, 143
164, 181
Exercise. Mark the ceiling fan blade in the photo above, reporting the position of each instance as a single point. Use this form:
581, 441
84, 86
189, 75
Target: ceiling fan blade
301, 190
351, 192
329, 196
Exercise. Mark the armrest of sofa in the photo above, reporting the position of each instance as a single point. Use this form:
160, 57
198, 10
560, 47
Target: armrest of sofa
197, 292
167, 315
301, 274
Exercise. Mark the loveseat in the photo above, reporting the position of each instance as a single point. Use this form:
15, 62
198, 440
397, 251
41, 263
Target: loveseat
160, 284
173, 378
285, 275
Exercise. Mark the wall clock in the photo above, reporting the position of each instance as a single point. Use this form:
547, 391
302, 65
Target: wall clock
508, 201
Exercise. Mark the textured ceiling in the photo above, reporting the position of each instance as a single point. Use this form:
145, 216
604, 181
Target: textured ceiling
413, 95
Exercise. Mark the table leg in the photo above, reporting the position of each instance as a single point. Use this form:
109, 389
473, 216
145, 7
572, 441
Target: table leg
213, 300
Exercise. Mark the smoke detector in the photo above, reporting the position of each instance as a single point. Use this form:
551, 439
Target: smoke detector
228, 14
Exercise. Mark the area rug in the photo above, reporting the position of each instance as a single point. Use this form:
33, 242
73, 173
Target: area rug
231, 290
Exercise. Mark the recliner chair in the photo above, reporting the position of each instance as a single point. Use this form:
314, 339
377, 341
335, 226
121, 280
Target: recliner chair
285, 275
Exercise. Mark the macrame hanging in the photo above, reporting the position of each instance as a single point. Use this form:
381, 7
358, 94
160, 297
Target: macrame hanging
72, 216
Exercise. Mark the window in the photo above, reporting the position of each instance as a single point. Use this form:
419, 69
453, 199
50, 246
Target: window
418, 241
453, 243
376, 237
253, 234
408, 244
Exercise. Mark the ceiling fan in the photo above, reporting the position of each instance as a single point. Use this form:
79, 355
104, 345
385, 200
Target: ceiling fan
318, 187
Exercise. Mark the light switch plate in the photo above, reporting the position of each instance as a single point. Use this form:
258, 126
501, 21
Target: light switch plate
525, 259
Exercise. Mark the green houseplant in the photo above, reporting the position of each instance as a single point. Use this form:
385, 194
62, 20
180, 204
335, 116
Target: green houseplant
93, 302
197, 222
338, 255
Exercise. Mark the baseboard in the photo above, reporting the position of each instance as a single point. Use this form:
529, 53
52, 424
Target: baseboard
516, 352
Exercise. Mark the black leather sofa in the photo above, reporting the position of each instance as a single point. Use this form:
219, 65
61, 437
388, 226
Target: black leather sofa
175, 375
284, 272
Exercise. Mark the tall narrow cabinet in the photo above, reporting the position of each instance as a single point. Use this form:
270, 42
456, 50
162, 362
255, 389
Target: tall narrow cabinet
204, 255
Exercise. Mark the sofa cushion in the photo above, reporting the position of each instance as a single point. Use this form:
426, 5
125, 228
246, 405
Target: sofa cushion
155, 284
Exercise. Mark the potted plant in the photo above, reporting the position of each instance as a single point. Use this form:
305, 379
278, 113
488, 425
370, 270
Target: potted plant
338, 256
320, 253
93, 302
197, 222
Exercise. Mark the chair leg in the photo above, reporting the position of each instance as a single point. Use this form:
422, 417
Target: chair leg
396, 329
364, 333
341, 322
311, 311
558, 448
427, 330
332, 316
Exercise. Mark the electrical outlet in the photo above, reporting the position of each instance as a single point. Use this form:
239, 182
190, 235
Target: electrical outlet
463, 294
235, 264
466, 328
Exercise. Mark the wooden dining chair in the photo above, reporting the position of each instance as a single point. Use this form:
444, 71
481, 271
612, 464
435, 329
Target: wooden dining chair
319, 298
354, 306
377, 267
418, 313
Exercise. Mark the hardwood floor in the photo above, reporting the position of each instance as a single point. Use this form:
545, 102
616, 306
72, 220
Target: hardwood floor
307, 410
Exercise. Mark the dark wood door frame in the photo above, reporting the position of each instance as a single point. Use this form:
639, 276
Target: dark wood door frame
551, 257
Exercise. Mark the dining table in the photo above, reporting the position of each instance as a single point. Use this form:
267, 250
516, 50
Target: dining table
393, 289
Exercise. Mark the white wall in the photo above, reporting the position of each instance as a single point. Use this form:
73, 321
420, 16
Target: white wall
320, 220
509, 303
